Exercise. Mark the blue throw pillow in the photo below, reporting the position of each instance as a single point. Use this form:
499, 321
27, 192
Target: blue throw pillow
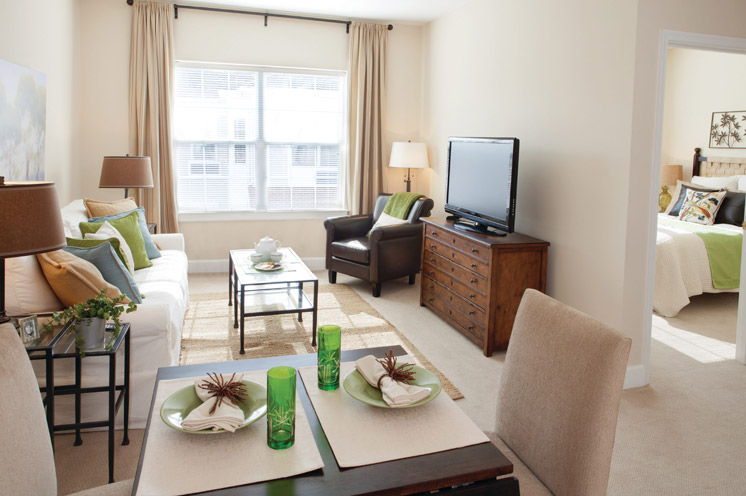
150, 247
111, 268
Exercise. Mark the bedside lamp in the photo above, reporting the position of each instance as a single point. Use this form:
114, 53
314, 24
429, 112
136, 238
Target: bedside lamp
30, 223
409, 156
126, 172
670, 174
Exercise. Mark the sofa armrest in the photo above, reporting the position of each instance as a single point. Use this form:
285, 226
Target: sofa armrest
171, 241
348, 226
396, 231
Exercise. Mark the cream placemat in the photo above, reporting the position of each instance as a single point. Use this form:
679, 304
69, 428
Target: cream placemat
360, 434
178, 463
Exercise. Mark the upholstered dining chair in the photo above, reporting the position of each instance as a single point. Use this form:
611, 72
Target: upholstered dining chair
559, 398
389, 253
26, 457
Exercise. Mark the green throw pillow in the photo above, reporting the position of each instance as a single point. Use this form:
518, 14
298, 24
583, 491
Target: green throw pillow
91, 243
129, 227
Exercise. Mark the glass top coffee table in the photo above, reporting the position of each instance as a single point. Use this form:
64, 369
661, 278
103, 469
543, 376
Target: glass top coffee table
270, 292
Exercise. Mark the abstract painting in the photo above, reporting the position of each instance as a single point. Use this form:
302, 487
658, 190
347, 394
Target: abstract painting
23, 111
727, 129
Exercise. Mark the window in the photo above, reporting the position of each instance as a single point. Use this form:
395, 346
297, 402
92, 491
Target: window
258, 139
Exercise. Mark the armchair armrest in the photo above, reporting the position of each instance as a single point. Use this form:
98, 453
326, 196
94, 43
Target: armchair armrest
172, 241
348, 226
397, 231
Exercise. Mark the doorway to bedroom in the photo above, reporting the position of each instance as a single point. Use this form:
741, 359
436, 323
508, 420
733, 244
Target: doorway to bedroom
697, 269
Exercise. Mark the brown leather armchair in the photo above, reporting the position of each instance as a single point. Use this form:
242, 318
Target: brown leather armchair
389, 253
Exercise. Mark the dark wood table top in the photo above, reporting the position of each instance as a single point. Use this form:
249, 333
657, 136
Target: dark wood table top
425, 473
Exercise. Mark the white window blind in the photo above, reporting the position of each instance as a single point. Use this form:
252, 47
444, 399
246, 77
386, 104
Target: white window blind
258, 139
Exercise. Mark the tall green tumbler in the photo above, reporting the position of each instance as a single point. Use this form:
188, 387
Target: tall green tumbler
280, 407
330, 353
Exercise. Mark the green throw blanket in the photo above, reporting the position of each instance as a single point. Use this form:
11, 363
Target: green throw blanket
723, 251
400, 203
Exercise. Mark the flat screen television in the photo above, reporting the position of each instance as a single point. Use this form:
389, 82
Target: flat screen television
481, 184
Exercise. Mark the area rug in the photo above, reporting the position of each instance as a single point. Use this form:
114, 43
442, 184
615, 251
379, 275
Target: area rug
209, 335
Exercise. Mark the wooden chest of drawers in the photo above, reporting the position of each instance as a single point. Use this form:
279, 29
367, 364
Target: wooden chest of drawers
475, 282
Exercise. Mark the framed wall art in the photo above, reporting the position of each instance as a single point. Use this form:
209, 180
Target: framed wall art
727, 129
23, 115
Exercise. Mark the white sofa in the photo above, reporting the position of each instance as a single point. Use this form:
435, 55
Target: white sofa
155, 331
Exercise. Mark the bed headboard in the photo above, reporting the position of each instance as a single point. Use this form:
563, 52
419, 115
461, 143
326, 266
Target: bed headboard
717, 166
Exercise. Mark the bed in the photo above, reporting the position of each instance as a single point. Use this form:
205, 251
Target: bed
683, 266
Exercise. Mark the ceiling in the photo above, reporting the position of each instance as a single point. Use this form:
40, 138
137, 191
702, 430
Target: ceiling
404, 11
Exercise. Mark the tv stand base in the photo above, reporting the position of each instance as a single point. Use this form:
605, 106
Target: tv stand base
477, 228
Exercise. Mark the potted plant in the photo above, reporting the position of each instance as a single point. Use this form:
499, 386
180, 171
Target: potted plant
89, 319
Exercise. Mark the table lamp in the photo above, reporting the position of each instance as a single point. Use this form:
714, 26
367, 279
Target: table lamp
670, 173
410, 156
126, 172
30, 223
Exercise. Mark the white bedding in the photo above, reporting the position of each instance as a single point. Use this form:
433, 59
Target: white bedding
681, 268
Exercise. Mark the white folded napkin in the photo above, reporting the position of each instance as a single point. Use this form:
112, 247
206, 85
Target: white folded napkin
395, 394
226, 416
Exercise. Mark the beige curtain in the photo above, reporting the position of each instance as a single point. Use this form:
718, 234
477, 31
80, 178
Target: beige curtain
151, 81
367, 98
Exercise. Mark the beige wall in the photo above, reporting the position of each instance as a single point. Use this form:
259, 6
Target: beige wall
713, 17
229, 38
559, 76
40, 35
699, 83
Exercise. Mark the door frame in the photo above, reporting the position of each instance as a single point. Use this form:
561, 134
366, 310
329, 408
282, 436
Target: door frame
696, 41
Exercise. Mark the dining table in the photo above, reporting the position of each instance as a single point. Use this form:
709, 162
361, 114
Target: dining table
476, 469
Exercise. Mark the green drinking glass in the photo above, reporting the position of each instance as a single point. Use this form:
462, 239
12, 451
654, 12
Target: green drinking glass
280, 407
330, 353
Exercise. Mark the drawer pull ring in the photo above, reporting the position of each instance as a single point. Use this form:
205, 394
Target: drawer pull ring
474, 250
434, 233
471, 312
432, 286
431, 272
473, 266
470, 327
432, 259
432, 246
472, 295
472, 281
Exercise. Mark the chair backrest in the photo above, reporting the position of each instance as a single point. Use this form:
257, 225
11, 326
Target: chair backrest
559, 394
26, 457
421, 208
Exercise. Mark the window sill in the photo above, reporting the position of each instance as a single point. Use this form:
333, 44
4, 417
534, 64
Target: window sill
248, 216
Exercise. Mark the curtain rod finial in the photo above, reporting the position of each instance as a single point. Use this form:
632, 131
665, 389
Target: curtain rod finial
130, 2
390, 27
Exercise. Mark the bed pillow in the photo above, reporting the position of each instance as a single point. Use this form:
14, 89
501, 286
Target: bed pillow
129, 227
701, 206
90, 243
716, 182
73, 279
731, 211
150, 247
679, 195
107, 231
98, 208
111, 267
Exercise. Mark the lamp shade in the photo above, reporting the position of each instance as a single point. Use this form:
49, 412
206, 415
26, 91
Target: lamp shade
30, 219
408, 155
670, 173
126, 172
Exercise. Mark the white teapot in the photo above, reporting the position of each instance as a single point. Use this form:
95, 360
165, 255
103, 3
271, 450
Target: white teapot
266, 246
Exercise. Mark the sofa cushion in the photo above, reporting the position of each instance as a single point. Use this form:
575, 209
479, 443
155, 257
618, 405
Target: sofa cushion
100, 208
90, 243
107, 231
129, 226
26, 289
150, 247
111, 267
72, 215
73, 279
353, 249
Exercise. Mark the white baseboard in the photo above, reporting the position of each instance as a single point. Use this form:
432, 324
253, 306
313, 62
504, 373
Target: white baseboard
635, 377
221, 265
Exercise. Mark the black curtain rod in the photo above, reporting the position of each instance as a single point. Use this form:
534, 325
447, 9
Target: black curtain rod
263, 14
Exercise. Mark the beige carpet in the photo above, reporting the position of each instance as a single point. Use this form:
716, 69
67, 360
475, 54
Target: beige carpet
209, 335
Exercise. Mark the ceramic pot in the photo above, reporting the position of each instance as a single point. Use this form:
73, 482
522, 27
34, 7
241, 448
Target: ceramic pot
92, 333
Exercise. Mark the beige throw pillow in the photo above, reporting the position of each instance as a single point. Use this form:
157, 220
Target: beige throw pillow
98, 208
73, 279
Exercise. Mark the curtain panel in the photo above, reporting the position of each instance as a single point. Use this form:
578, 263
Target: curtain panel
366, 68
151, 83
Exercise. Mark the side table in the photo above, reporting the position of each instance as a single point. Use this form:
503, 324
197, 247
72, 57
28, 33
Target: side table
62, 345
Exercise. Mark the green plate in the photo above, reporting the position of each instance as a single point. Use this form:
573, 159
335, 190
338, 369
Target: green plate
357, 387
177, 406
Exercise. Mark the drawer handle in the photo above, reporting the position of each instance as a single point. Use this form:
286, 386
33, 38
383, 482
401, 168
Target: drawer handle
472, 281
472, 295
474, 250
453, 269
454, 241
432, 286
450, 312
432, 246
471, 312
473, 266
434, 233
432, 259
453, 255
431, 272
470, 327
430, 300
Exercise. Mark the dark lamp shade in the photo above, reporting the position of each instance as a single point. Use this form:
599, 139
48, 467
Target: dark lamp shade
126, 172
30, 219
